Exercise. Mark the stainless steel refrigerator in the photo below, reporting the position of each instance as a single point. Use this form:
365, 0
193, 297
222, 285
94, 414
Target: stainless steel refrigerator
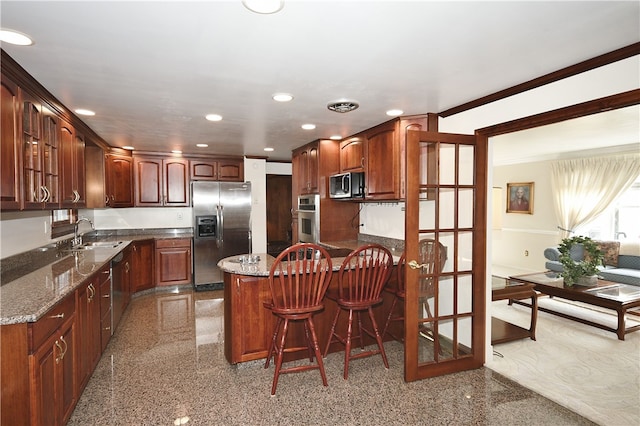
222, 228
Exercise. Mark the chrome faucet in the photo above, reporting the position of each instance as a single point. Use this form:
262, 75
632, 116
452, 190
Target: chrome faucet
77, 238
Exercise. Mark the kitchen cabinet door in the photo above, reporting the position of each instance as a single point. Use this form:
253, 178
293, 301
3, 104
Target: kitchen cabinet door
176, 182
34, 192
89, 328
72, 192
10, 148
119, 180
305, 168
383, 163
352, 154
231, 170
142, 265
53, 375
248, 324
202, 169
173, 261
161, 182
148, 182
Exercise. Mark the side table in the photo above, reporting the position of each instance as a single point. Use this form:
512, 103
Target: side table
502, 331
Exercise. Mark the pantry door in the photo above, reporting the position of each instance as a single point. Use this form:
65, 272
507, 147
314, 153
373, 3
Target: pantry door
445, 280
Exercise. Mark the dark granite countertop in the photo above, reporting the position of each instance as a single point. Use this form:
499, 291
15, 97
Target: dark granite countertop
35, 281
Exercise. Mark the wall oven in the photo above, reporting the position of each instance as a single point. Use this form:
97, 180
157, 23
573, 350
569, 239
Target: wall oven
309, 218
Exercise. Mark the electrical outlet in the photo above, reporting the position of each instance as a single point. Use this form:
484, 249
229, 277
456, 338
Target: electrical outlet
180, 216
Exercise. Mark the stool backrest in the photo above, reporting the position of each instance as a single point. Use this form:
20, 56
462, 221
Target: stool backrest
364, 273
299, 277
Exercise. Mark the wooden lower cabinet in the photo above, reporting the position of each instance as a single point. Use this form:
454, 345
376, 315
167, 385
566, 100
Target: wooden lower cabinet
53, 376
89, 351
173, 261
142, 265
243, 311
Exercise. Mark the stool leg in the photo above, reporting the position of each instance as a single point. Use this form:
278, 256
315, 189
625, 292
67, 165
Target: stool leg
332, 332
378, 338
347, 351
386, 326
272, 343
316, 349
279, 356
360, 330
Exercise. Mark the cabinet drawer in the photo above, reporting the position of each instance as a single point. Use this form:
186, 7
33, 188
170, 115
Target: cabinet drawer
40, 330
173, 242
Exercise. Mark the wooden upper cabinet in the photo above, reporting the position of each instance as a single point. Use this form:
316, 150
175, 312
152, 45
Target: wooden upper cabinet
352, 154
176, 182
10, 147
231, 170
72, 191
382, 163
34, 193
204, 169
119, 180
379, 153
147, 181
305, 181
161, 182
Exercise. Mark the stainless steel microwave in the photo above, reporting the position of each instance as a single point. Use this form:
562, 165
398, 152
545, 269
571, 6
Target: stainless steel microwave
347, 185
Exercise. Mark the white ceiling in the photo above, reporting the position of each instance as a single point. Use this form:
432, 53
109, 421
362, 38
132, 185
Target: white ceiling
153, 70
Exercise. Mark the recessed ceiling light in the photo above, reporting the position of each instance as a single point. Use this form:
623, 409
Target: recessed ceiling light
130, 148
264, 6
268, 149
282, 97
213, 117
335, 137
176, 151
202, 145
15, 37
309, 126
85, 112
395, 112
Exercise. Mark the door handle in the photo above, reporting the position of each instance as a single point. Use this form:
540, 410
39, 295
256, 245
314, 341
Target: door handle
415, 265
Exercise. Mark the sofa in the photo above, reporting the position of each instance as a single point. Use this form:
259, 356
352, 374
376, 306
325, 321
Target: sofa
621, 260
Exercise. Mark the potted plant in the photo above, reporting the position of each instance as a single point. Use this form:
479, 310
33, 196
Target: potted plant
583, 271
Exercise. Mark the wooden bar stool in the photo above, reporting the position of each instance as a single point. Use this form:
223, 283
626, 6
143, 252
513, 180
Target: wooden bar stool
362, 276
433, 255
298, 281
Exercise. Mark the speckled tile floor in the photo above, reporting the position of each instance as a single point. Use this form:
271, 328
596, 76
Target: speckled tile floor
166, 365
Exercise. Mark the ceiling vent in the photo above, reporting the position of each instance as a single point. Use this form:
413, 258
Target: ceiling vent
343, 106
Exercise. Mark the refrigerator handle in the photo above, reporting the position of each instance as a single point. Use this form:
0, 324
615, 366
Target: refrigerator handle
220, 223
250, 243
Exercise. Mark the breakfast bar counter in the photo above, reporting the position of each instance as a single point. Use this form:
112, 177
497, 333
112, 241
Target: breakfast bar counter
248, 325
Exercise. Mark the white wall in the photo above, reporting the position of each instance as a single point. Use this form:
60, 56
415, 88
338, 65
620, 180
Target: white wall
23, 231
255, 172
521, 241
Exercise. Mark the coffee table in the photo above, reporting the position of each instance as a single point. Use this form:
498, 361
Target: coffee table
606, 294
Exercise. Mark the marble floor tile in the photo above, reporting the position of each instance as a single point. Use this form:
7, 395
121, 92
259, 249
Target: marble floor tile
165, 366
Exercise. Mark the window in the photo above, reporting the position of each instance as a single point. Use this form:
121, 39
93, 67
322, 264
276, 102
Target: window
619, 221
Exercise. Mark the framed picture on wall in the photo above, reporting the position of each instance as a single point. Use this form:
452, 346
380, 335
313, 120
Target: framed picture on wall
520, 197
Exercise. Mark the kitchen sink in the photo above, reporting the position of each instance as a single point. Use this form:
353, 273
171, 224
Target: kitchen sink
93, 244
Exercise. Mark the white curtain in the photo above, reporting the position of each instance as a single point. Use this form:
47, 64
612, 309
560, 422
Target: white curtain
585, 187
